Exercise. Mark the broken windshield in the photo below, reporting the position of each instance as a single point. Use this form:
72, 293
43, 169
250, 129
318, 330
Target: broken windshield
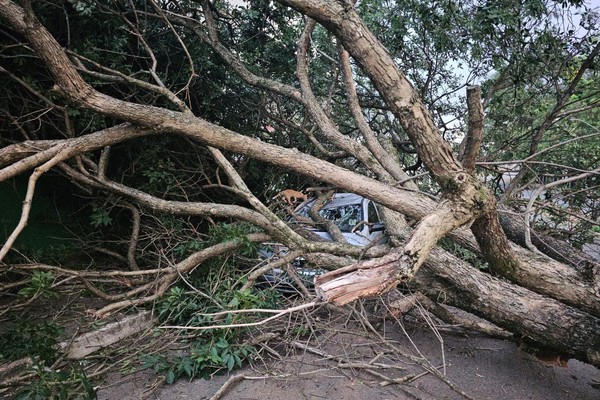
345, 217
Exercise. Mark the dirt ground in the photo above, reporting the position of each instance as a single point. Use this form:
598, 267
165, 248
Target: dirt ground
481, 367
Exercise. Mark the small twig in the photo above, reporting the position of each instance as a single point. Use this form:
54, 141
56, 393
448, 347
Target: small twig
407, 378
155, 386
534, 197
230, 382
426, 365
278, 314
291, 271
279, 262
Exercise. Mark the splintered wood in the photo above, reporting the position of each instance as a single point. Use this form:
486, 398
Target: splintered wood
342, 289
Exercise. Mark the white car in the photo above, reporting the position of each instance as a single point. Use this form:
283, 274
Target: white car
358, 220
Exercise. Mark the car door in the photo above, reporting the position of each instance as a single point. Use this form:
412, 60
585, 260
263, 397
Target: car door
371, 229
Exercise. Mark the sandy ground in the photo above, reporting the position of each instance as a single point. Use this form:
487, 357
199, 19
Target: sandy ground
482, 367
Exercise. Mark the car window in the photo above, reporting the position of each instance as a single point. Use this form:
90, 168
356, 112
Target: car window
345, 217
373, 215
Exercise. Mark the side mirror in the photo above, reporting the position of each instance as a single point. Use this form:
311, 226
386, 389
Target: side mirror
377, 227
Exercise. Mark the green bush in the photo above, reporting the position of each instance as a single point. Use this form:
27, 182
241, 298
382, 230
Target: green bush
70, 383
215, 350
29, 339
38, 341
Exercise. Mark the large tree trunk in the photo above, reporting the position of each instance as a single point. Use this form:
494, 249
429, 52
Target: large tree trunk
531, 316
534, 319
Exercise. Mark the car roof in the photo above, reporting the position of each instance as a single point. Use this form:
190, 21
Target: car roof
338, 200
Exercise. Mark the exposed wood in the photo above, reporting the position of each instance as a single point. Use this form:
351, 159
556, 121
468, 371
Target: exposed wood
447, 279
543, 275
107, 335
343, 287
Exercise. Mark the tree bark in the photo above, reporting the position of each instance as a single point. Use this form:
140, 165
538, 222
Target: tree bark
531, 316
446, 279
475, 128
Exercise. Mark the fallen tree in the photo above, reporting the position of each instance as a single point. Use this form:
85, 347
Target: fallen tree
544, 295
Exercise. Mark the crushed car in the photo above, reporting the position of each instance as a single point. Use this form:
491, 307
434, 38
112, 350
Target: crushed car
358, 220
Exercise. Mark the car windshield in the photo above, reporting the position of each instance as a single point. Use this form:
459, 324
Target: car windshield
345, 217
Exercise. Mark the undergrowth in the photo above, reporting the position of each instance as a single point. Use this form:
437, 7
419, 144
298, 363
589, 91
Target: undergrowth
38, 340
211, 289
210, 351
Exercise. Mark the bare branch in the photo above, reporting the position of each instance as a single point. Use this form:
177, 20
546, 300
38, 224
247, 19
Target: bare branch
278, 314
24, 156
326, 126
475, 131
371, 140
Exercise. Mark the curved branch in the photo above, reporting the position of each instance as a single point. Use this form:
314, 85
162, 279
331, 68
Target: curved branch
172, 274
133, 239
538, 191
326, 126
370, 139
63, 153
21, 157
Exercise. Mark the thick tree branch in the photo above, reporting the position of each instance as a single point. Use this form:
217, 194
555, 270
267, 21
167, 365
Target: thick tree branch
172, 274
475, 128
162, 120
371, 140
22, 157
399, 94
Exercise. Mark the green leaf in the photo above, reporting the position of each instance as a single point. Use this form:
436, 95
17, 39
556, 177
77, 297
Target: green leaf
187, 367
238, 360
230, 362
170, 377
